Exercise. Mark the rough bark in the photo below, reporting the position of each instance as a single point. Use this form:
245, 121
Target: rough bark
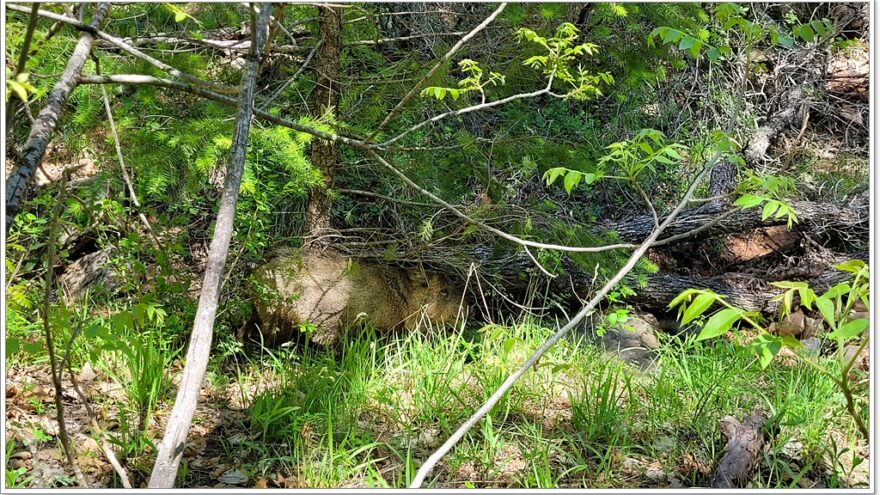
849, 217
171, 448
750, 291
34, 149
744, 442
326, 100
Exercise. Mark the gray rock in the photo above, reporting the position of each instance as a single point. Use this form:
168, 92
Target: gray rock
634, 341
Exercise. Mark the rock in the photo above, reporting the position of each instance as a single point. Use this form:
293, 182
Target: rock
793, 450
672, 481
86, 374
864, 359
812, 327
233, 477
792, 325
428, 438
812, 345
633, 341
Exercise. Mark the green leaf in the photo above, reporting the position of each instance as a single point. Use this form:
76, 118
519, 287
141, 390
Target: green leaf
552, 174
826, 307
13, 345
836, 291
808, 297
748, 201
767, 346
179, 16
850, 329
671, 36
687, 42
572, 178
807, 33
719, 323
698, 307
791, 342
851, 266
683, 297
18, 89
789, 285
714, 54
769, 209
32, 347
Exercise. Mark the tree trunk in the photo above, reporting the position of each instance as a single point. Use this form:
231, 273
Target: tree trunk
326, 100
172, 445
41, 132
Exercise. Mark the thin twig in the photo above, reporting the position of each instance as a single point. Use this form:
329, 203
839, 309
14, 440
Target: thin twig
294, 76
131, 50
412, 92
47, 330
125, 177
105, 445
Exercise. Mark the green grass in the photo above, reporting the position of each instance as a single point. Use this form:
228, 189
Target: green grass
368, 413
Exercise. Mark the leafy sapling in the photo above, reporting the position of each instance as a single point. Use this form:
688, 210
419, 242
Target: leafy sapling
836, 306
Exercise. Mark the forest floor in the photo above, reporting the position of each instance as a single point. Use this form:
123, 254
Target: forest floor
367, 413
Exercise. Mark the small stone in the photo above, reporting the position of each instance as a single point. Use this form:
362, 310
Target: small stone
793, 450
428, 437
672, 481
655, 475
233, 477
812, 345
21, 454
664, 443
86, 374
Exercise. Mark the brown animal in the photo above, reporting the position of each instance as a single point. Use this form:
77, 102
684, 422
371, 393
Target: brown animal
323, 293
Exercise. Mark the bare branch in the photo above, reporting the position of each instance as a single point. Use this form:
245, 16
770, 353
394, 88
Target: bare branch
462, 111
170, 450
124, 169
294, 76
402, 38
358, 144
131, 50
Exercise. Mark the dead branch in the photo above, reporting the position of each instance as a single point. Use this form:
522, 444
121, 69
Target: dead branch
170, 450
123, 168
448, 56
33, 150
744, 442
93, 30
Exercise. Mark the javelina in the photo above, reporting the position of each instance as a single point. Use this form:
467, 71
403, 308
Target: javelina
325, 292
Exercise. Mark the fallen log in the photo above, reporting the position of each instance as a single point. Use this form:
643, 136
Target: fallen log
749, 291
818, 219
744, 442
